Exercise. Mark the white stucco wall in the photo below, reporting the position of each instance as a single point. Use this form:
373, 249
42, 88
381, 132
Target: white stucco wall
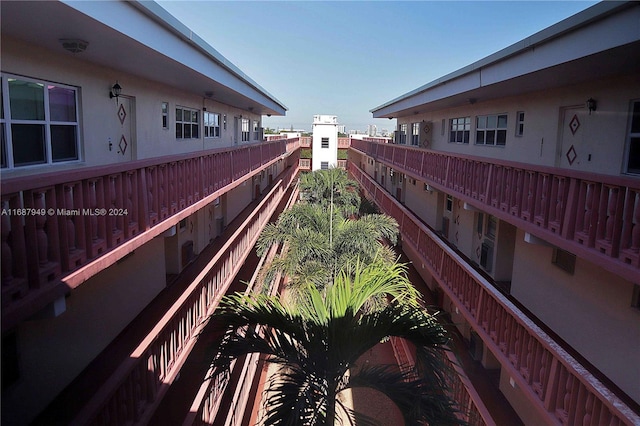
601, 135
324, 127
591, 310
98, 113
54, 350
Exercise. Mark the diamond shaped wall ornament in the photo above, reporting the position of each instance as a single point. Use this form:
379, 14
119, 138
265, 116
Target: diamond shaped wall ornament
571, 155
122, 114
574, 124
123, 145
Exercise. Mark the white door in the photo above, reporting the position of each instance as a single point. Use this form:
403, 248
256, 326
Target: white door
573, 151
123, 142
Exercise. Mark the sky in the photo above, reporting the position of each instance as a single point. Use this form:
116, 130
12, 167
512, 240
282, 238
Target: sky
346, 58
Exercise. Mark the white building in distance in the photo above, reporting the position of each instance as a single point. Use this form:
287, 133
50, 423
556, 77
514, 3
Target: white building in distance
324, 142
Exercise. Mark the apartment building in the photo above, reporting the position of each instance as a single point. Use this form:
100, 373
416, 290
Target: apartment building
128, 146
515, 181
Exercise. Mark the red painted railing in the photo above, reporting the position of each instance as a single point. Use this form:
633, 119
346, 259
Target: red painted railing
562, 389
472, 409
305, 164
205, 407
133, 392
56, 225
593, 216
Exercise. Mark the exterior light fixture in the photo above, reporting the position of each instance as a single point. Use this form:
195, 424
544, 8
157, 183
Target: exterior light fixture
74, 45
592, 105
115, 91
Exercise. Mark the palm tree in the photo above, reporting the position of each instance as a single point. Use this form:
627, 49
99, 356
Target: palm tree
319, 243
332, 189
317, 341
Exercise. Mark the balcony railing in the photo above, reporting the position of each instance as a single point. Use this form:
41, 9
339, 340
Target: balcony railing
57, 225
205, 407
344, 142
562, 389
133, 392
472, 409
593, 216
305, 164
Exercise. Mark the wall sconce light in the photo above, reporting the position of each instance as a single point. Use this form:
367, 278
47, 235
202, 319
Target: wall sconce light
592, 105
115, 91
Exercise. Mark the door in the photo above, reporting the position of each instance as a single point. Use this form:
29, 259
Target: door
122, 144
573, 151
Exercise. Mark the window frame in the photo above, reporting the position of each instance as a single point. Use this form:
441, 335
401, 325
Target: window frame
520, 124
487, 129
256, 130
47, 123
415, 134
192, 124
630, 135
322, 143
458, 135
211, 131
402, 129
324, 165
245, 130
165, 115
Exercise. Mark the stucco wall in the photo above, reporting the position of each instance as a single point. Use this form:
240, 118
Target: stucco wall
590, 310
54, 350
98, 113
601, 135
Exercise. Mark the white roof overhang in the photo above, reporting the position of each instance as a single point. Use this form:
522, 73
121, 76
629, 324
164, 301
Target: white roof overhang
593, 44
139, 38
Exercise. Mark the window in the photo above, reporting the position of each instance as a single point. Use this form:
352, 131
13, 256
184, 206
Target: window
633, 153
324, 165
187, 123
324, 143
211, 125
520, 123
403, 134
415, 134
256, 130
564, 260
245, 130
449, 204
459, 129
165, 115
40, 125
491, 129
492, 227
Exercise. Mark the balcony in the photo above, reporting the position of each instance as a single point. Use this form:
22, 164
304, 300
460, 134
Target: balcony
596, 217
129, 381
63, 228
561, 389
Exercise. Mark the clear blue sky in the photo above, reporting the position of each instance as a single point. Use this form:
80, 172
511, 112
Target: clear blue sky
346, 58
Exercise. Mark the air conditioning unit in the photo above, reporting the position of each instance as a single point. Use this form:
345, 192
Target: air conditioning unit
486, 255
220, 224
445, 227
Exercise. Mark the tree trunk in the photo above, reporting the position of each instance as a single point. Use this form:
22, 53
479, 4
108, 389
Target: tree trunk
331, 405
